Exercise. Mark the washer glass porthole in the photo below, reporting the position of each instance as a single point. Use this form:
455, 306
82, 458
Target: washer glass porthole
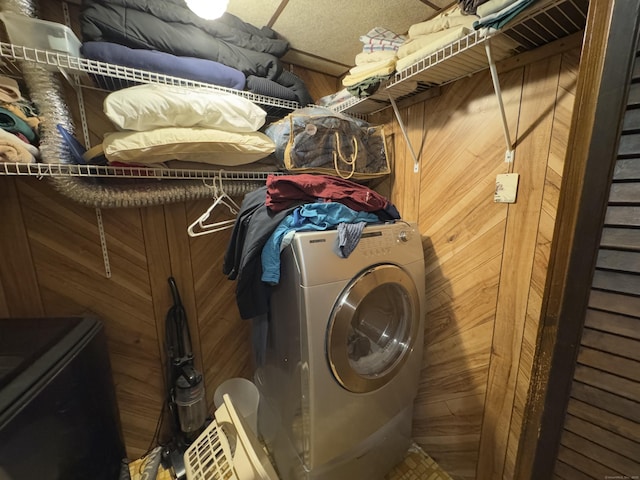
372, 328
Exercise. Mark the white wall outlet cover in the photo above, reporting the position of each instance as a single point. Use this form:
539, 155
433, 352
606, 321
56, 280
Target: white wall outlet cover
506, 188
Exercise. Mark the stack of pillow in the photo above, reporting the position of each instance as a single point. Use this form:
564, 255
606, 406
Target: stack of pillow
160, 123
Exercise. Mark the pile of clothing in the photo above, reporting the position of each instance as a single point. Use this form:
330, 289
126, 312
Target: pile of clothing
291, 203
19, 125
165, 36
375, 64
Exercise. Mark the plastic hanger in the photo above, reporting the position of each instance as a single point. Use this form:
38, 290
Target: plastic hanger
200, 226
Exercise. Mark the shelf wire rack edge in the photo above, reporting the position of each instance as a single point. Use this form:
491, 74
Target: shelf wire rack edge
72, 170
57, 60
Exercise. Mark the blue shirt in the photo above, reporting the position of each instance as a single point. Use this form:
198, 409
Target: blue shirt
311, 216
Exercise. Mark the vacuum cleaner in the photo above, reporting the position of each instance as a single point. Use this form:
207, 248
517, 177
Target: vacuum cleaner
185, 395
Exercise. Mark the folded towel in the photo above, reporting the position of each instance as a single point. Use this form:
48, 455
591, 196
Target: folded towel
430, 46
381, 39
499, 19
372, 67
14, 150
352, 79
433, 41
371, 57
453, 17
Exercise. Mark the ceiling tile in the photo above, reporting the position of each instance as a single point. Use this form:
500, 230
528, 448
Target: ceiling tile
329, 30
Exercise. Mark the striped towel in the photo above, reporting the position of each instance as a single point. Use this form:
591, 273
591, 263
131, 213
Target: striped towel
348, 237
381, 39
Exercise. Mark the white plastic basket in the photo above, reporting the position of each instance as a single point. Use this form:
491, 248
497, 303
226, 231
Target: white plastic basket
227, 450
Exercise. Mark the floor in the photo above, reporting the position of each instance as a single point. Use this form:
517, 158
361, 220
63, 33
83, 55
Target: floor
416, 465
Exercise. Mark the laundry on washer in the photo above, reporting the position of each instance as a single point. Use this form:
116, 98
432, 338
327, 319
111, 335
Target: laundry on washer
348, 238
262, 211
283, 190
311, 216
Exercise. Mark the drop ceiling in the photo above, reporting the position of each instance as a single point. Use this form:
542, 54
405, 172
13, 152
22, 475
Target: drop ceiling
324, 34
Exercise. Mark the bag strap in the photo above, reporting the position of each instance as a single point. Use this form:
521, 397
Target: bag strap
351, 162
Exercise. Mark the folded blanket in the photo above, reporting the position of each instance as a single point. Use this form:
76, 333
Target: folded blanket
190, 68
269, 88
432, 42
381, 70
493, 6
368, 86
430, 46
499, 19
134, 26
371, 57
453, 17
228, 28
470, 6
372, 67
14, 150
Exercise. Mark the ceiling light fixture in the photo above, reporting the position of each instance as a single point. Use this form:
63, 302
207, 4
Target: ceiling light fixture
208, 9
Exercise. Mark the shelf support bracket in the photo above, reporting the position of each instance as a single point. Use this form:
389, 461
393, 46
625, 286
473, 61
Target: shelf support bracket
496, 87
103, 244
416, 163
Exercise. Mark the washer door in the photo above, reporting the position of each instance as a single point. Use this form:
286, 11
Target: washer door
372, 328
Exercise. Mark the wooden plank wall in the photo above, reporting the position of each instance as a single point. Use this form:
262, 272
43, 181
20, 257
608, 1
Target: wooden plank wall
601, 436
480, 328
485, 263
52, 265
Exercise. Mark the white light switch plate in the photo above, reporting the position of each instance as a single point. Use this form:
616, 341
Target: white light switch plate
506, 188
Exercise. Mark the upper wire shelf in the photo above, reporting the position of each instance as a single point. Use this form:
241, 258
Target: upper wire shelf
542, 23
119, 76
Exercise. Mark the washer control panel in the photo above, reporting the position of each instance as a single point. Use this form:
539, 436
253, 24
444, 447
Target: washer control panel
378, 243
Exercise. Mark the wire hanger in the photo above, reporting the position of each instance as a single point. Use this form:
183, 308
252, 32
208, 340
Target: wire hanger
200, 226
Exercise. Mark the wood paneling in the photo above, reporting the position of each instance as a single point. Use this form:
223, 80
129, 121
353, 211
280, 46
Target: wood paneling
485, 265
19, 294
461, 151
564, 101
469, 256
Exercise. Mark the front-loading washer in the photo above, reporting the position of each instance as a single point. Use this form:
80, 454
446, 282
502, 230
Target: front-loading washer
343, 354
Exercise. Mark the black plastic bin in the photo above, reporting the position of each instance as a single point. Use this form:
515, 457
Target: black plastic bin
58, 412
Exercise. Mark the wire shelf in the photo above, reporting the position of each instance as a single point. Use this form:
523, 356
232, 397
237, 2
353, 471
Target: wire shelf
544, 22
118, 76
71, 170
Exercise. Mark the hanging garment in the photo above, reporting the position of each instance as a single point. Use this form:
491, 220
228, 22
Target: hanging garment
242, 261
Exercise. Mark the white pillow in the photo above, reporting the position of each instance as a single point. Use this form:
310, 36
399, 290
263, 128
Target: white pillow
202, 145
151, 106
